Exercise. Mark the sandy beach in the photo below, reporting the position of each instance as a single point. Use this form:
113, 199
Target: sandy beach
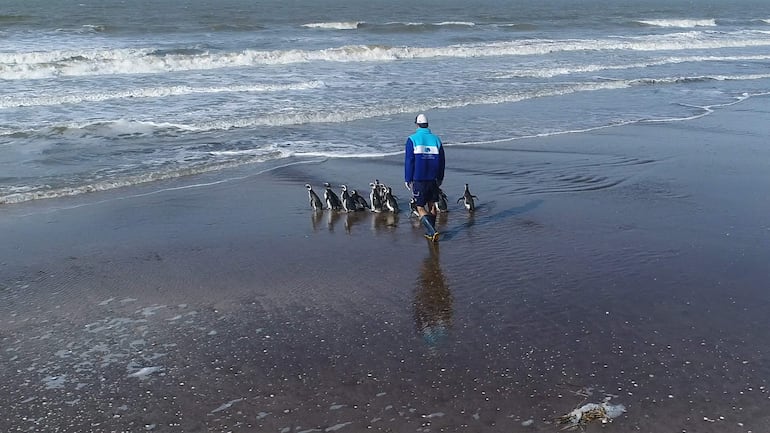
626, 265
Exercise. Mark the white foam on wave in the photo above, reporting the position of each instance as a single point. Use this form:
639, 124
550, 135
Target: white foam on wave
345, 154
84, 29
356, 114
684, 79
11, 101
108, 128
456, 23
420, 23
153, 176
343, 25
540, 72
682, 23
107, 185
15, 66
122, 127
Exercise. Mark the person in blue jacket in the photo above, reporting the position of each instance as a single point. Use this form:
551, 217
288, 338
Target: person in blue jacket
424, 173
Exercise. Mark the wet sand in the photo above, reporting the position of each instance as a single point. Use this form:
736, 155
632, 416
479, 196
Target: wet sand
626, 265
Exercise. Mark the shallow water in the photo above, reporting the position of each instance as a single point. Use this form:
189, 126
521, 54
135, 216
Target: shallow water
106, 95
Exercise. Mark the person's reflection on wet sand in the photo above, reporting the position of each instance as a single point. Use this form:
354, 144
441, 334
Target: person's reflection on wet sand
432, 301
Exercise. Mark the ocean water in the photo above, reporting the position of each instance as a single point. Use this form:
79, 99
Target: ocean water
100, 94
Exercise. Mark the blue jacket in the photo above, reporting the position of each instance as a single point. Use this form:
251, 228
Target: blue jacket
424, 158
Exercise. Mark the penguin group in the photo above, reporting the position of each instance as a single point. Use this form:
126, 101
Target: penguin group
381, 199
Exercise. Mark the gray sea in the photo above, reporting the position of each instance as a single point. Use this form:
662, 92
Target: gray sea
100, 94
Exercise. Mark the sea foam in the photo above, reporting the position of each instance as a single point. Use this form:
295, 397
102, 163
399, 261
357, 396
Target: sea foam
151, 92
683, 23
348, 25
14, 66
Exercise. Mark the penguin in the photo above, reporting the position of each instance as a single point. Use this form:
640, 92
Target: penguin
332, 200
383, 192
413, 208
442, 205
315, 201
360, 201
467, 199
382, 189
348, 205
375, 199
391, 201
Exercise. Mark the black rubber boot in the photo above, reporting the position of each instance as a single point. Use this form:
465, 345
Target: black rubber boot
430, 230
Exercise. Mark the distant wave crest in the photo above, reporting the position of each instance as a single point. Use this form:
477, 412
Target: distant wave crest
682, 23
456, 23
546, 72
153, 92
343, 25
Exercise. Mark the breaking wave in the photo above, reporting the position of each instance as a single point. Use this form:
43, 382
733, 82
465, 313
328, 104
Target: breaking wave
682, 23
33, 65
540, 72
122, 127
350, 25
153, 92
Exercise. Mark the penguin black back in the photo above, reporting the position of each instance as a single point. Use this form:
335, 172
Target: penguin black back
315, 201
332, 200
468, 199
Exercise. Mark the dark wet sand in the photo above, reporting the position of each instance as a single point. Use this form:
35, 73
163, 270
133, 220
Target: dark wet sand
628, 264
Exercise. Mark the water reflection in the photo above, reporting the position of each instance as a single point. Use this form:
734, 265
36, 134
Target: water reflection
353, 218
315, 219
432, 300
380, 222
331, 221
384, 221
